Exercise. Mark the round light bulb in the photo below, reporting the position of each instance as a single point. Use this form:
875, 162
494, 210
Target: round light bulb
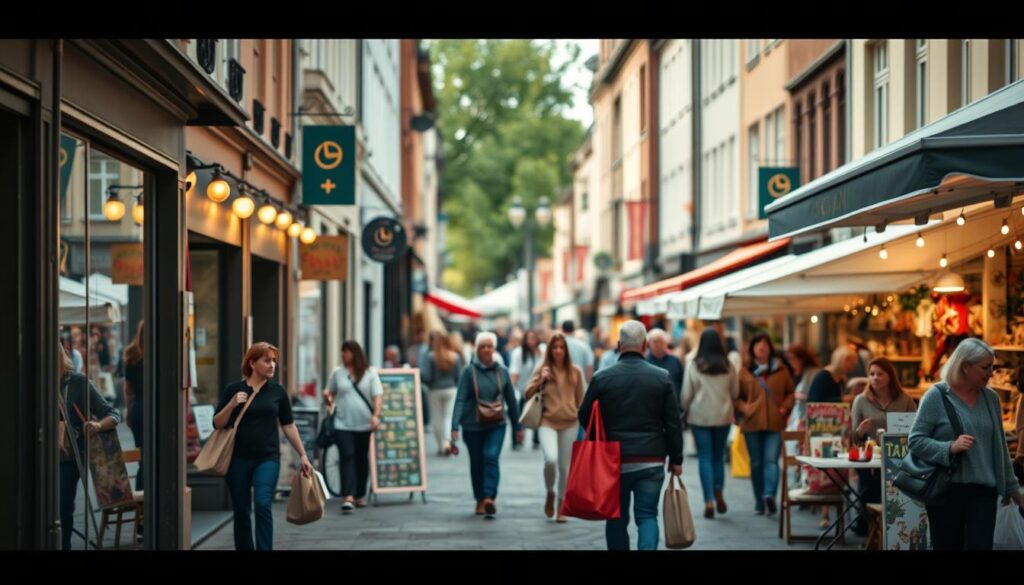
943, 262
243, 206
308, 236
920, 241
846, 308
814, 318
1005, 229
961, 220
874, 312
889, 298
218, 191
295, 229
190, 183
138, 213
883, 253
113, 209
284, 219
854, 312
267, 214
991, 253
1018, 245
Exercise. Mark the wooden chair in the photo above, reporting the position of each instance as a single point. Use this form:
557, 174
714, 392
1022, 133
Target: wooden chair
875, 523
118, 512
799, 496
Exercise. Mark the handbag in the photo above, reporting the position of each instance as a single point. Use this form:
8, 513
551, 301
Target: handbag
678, 520
533, 411
489, 412
325, 437
307, 501
592, 490
925, 481
215, 456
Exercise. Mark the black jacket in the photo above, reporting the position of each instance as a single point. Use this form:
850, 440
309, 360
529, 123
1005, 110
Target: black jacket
639, 408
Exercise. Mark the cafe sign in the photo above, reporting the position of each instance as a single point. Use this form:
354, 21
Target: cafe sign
384, 240
127, 264
325, 259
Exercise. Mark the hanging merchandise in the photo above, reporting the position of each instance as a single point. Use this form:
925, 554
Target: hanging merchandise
924, 316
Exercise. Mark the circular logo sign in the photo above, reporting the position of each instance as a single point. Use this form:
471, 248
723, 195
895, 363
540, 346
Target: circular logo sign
779, 185
384, 239
328, 155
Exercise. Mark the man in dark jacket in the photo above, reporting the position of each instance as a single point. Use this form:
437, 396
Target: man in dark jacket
639, 409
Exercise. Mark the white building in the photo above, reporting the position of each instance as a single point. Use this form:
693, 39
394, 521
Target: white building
720, 127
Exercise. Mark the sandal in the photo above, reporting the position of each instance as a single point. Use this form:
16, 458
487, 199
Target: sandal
361, 503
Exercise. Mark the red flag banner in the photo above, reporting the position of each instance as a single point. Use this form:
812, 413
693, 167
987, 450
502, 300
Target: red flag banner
581, 262
637, 213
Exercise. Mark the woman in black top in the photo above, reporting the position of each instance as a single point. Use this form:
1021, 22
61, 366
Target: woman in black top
72, 409
133, 392
256, 461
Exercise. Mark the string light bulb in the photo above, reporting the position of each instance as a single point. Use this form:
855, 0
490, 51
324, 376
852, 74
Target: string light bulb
920, 240
962, 219
883, 253
295, 230
114, 208
943, 262
267, 214
1018, 245
284, 220
846, 308
814, 318
243, 206
138, 213
218, 190
308, 236
991, 253
1005, 229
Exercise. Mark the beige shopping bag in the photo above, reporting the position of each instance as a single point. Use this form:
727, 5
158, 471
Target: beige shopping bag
307, 502
679, 530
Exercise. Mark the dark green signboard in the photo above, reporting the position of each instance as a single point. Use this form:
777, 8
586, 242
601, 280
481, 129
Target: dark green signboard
329, 165
774, 182
398, 460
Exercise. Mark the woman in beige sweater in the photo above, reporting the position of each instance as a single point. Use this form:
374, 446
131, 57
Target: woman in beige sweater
561, 387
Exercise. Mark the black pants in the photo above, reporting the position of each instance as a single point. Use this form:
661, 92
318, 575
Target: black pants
354, 462
966, 520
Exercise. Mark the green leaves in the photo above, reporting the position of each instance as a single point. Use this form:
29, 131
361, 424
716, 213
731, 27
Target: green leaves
500, 106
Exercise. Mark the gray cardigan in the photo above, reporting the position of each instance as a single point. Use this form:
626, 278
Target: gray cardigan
932, 435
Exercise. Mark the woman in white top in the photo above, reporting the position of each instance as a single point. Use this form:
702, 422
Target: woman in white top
526, 358
354, 395
710, 385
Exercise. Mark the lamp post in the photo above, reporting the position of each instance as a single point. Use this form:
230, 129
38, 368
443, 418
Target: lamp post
517, 216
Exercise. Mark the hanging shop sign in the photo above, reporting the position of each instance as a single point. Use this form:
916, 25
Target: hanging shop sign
127, 265
329, 165
384, 240
325, 259
774, 182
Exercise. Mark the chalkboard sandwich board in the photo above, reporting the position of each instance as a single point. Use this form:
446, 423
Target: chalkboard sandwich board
398, 461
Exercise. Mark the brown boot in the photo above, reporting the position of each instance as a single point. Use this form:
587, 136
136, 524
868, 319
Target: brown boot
709, 510
549, 505
489, 508
480, 508
720, 502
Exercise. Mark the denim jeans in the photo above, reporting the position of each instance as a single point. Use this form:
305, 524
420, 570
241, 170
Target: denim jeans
711, 458
646, 486
253, 481
484, 449
69, 478
764, 448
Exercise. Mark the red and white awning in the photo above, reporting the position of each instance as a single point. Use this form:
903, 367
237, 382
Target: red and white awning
453, 303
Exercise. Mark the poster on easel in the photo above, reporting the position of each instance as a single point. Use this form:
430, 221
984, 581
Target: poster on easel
398, 461
828, 434
905, 521
307, 422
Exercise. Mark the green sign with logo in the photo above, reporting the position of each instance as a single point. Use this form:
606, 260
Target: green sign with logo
329, 165
774, 182
68, 146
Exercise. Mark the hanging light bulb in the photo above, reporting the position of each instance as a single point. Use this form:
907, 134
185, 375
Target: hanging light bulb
218, 190
846, 308
138, 213
889, 298
1005, 229
991, 253
814, 318
295, 230
190, 183
883, 253
962, 219
308, 236
243, 206
284, 220
1018, 245
267, 214
943, 262
920, 240
874, 312
854, 312
114, 208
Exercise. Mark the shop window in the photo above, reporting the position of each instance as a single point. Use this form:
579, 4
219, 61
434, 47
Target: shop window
258, 114
206, 54
275, 132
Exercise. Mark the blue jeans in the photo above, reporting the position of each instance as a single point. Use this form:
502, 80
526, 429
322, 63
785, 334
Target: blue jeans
69, 478
646, 485
484, 449
711, 457
764, 448
253, 481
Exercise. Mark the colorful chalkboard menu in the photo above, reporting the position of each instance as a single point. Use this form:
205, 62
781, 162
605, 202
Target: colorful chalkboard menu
398, 460
906, 520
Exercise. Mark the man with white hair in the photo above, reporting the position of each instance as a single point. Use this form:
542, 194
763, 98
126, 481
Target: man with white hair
657, 340
640, 410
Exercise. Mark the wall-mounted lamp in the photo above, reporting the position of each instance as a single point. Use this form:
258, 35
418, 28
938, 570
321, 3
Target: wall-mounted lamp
138, 213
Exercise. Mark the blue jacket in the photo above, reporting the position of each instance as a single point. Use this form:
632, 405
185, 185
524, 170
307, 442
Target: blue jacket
487, 378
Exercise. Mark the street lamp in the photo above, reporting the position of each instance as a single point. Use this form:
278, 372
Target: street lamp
517, 216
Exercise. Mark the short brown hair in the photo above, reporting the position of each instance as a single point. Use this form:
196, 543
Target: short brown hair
257, 351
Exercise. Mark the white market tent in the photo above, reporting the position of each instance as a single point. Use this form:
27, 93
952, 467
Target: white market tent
98, 307
503, 300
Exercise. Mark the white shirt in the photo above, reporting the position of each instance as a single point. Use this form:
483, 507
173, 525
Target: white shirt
351, 412
580, 354
525, 369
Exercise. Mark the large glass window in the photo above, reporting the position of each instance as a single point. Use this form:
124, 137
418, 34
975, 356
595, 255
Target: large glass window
881, 93
100, 314
753, 205
309, 357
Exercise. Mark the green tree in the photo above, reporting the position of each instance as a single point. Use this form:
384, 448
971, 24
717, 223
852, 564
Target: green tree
500, 113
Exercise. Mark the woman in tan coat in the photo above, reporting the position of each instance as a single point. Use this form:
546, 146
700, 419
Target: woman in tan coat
561, 387
766, 399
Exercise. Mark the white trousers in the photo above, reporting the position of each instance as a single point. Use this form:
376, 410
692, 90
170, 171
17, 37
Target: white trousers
441, 404
557, 449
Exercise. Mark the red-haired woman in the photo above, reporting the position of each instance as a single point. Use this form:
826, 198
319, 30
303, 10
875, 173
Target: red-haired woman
256, 461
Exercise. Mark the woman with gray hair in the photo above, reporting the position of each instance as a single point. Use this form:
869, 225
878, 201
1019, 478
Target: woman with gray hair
965, 520
485, 395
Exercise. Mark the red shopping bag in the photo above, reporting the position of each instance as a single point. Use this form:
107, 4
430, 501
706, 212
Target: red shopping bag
592, 492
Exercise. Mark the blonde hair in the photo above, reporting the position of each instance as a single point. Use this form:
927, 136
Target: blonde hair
64, 363
838, 357
970, 351
444, 357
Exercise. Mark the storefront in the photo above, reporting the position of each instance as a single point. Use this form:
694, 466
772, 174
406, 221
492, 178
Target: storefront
92, 137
